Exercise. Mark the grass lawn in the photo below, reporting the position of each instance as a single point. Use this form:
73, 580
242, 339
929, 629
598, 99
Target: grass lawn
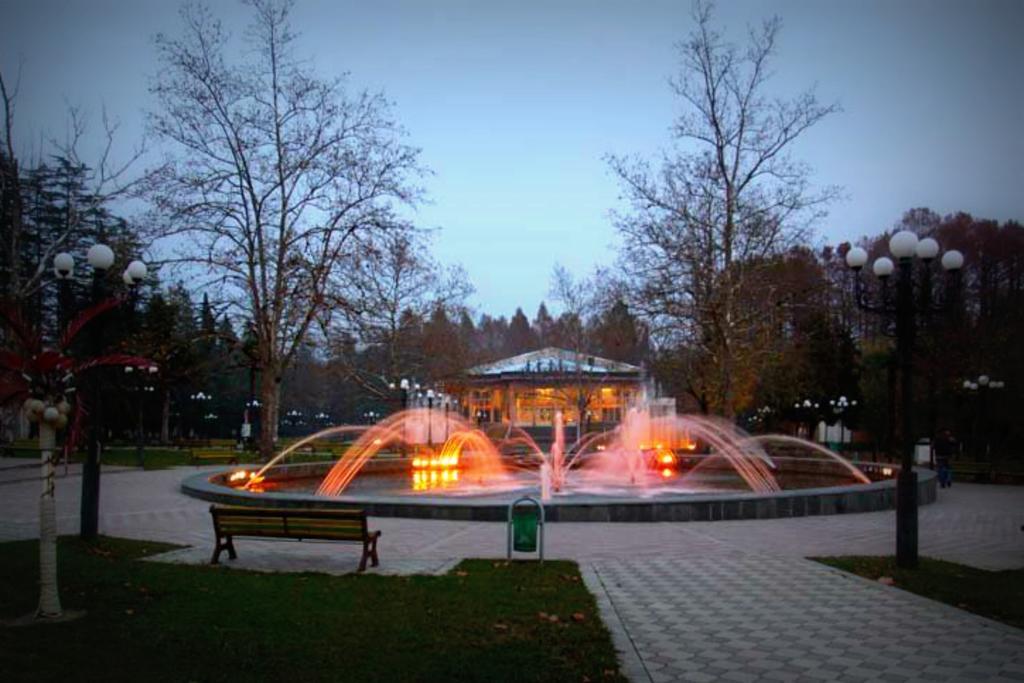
159, 622
155, 458
997, 595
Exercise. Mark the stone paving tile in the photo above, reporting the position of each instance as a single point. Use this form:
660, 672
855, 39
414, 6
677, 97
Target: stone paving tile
913, 638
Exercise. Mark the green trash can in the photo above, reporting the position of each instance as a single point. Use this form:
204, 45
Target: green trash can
524, 530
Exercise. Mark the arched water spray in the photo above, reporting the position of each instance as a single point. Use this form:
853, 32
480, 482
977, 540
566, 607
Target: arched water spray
816, 448
644, 454
627, 458
455, 439
322, 434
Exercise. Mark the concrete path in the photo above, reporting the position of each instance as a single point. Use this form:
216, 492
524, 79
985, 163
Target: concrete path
705, 601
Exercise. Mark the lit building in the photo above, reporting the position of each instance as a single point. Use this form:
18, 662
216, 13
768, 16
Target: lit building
527, 390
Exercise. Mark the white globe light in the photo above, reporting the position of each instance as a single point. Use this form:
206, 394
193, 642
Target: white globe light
967, 384
51, 415
856, 258
100, 256
902, 244
983, 380
63, 264
883, 266
138, 270
927, 249
126, 277
952, 260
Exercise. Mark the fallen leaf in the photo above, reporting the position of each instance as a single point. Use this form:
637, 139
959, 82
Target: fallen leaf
129, 611
578, 616
461, 573
501, 627
553, 618
542, 615
886, 581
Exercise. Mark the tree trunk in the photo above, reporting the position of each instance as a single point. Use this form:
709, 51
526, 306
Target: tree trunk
49, 597
165, 418
270, 396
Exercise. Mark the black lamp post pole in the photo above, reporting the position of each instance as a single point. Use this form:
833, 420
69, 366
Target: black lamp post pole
90, 506
430, 418
906, 481
140, 441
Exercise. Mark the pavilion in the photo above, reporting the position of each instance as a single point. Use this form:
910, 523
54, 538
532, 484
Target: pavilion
527, 390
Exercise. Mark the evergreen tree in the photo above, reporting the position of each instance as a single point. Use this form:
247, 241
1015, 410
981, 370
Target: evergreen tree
521, 338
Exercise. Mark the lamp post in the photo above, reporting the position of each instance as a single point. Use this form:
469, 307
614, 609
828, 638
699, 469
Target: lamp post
982, 386
446, 401
142, 389
905, 246
199, 399
809, 408
430, 417
100, 257
252, 408
210, 419
840, 406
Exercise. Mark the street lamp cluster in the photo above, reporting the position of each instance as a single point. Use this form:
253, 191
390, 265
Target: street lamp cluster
413, 395
101, 258
983, 382
905, 247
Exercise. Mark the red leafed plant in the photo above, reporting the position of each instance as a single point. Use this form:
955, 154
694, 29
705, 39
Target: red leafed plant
28, 370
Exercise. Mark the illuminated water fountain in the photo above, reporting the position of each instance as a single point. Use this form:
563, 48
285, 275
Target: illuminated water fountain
436, 459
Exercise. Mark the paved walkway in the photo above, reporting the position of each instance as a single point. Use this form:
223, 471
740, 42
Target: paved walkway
730, 601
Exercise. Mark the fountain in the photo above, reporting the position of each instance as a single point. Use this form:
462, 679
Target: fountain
428, 462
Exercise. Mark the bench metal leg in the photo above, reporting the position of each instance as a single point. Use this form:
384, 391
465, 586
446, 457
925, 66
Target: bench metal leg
373, 552
229, 545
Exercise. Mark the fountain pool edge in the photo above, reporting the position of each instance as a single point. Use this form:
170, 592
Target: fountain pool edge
704, 507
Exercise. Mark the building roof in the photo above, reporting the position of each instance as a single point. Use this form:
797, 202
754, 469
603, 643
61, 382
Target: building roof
553, 361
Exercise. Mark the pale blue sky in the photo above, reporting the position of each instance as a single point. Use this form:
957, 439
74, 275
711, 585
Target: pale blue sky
514, 104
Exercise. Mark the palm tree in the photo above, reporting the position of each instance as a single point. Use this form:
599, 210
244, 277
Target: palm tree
43, 380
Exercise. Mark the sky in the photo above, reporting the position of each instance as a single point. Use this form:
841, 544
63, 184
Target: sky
515, 105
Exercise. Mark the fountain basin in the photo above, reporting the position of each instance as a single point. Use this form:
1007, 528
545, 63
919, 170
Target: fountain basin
668, 506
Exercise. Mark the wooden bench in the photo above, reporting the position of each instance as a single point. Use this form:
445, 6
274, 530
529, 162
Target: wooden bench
199, 455
348, 526
971, 471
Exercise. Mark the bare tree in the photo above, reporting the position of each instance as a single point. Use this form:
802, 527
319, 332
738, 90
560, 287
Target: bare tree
276, 175
581, 301
393, 282
729, 195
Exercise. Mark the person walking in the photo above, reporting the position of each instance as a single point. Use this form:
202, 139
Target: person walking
945, 448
